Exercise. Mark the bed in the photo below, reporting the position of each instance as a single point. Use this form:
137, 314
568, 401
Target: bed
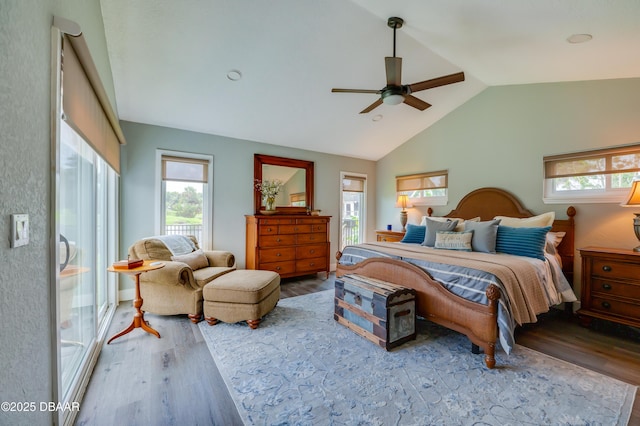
480, 318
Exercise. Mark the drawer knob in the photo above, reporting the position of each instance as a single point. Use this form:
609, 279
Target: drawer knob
606, 305
312, 264
606, 268
278, 240
277, 268
278, 254
606, 286
269, 229
312, 251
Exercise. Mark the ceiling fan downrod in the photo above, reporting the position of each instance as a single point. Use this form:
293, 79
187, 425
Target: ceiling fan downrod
395, 23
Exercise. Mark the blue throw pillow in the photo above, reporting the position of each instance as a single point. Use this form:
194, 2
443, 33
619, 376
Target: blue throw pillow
414, 234
484, 235
522, 241
433, 226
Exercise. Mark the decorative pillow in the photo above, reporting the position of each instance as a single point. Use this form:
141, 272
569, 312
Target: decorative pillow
414, 235
454, 240
484, 235
555, 238
433, 226
528, 242
195, 259
461, 222
540, 221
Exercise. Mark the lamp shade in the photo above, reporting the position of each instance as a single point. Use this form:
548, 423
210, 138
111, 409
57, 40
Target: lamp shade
634, 195
403, 201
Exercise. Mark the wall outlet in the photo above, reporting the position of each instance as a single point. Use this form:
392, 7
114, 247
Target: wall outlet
19, 230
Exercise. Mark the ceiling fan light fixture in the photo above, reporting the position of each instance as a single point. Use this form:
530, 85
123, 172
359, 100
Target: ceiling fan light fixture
392, 98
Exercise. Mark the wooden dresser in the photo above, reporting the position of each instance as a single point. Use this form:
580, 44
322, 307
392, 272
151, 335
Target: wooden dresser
610, 286
389, 236
290, 245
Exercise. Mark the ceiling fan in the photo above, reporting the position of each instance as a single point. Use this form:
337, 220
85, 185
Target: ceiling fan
395, 92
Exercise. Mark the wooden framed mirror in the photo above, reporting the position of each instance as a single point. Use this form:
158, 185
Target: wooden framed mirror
296, 196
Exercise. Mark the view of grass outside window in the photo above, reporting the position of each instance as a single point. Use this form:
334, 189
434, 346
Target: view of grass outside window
184, 208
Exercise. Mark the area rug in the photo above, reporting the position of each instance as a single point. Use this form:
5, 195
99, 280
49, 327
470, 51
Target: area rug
300, 367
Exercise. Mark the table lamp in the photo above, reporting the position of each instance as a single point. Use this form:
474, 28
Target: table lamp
402, 202
634, 201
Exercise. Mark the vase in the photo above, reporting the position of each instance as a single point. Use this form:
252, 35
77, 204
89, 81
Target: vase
270, 204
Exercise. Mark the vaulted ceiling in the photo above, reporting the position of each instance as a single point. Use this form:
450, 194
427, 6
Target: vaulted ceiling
171, 61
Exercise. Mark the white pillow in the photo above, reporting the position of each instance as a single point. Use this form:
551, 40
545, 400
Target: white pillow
541, 221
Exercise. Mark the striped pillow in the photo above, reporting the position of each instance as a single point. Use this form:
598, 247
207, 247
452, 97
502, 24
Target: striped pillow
527, 242
414, 234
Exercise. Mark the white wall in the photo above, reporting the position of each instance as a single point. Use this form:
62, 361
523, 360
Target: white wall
499, 139
26, 354
232, 180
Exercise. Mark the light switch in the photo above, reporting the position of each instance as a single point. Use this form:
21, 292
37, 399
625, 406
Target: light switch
19, 230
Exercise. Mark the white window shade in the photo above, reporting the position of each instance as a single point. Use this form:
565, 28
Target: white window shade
353, 183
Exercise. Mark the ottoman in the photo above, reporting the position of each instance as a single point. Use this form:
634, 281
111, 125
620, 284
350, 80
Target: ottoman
241, 295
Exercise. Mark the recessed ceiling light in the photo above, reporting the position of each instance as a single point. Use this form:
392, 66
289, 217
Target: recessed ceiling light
579, 38
377, 117
234, 75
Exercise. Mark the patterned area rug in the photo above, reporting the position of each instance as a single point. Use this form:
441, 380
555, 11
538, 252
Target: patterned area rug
300, 367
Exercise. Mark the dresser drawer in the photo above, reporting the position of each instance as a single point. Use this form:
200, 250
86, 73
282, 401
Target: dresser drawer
315, 264
319, 227
295, 229
280, 267
311, 220
273, 221
277, 254
613, 269
603, 287
313, 250
311, 238
277, 240
269, 230
615, 307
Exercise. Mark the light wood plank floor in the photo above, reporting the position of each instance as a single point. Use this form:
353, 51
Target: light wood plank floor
142, 380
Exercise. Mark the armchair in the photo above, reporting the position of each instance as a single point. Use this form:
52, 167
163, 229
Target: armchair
177, 288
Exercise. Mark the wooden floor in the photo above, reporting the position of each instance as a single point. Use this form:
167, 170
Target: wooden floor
142, 380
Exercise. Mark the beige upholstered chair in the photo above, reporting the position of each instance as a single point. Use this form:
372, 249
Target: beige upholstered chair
177, 288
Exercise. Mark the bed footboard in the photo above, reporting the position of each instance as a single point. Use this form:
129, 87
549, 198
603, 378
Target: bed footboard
433, 302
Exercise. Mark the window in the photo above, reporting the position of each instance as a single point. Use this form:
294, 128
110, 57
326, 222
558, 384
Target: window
185, 195
427, 189
352, 213
600, 176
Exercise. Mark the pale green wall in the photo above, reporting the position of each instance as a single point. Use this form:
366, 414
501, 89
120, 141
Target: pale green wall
26, 354
499, 138
232, 180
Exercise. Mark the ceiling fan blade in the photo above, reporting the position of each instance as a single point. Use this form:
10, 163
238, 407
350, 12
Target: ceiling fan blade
416, 103
393, 67
354, 91
372, 106
437, 82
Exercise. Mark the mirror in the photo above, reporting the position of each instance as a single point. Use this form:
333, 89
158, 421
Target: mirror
296, 195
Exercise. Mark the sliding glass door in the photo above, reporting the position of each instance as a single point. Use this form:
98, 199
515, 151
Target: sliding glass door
85, 215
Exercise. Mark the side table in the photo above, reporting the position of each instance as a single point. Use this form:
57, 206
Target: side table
138, 317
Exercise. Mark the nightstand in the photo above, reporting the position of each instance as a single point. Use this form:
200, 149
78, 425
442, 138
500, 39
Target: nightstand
610, 286
389, 236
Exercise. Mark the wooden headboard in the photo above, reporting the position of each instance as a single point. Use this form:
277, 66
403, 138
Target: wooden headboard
488, 203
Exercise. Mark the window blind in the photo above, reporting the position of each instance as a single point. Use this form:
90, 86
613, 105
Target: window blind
598, 162
353, 183
184, 169
85, 105
421, 181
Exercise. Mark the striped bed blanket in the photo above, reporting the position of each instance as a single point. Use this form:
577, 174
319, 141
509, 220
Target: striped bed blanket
526, 285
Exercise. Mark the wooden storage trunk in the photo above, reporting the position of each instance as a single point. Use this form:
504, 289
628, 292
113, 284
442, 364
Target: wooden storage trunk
382, 312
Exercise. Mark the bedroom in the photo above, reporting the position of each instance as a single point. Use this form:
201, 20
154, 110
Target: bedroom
524, 122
